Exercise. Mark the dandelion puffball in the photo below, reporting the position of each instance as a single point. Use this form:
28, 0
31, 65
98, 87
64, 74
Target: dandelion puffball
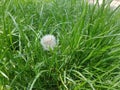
48, 42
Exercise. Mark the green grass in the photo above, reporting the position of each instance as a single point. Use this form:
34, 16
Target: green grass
88, 54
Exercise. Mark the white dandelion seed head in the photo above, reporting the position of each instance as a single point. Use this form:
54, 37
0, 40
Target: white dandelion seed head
48, 42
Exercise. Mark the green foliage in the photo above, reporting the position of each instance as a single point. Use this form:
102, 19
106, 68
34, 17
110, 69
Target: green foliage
88, 54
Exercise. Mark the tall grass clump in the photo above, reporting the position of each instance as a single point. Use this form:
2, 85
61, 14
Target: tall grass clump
87, 55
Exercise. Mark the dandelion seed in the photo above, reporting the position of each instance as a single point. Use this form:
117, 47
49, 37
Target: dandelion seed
48, 42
